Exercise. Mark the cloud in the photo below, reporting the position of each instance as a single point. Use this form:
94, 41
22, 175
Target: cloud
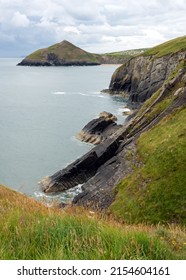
95, 25
72, 29
20, 20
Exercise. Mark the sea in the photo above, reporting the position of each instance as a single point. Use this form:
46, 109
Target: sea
41, 111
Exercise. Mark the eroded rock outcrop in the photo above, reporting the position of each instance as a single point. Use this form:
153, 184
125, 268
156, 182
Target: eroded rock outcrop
83, 168
140, 77
99, 129
106, 164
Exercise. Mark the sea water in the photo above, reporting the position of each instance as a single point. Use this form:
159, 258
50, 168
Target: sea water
41, 111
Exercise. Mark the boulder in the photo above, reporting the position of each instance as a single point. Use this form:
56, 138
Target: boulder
98, 130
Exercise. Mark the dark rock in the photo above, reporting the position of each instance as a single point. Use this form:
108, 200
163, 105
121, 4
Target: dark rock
142, 76
56, 62
106, 164
83, 168
98, 130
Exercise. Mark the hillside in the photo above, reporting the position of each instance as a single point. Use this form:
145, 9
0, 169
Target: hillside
150, 149
63, 53
133, 203
169, 47
29, 230
66, 54
119, 57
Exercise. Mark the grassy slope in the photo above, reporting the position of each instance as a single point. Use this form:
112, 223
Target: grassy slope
29, 230
124, 55
172, 46
155, 192
65, 51
68, 51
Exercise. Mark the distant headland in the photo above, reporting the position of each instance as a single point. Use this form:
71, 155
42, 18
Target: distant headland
67, 54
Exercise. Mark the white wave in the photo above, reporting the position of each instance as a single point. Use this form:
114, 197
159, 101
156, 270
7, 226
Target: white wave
80, 143
91, 94
59, 92
120, 111
65, 197
95, 92
126, 110
83, 94
102, 96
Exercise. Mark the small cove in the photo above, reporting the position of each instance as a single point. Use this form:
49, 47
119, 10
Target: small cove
41, 110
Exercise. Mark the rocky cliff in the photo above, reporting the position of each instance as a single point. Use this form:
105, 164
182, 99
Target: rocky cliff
141, 76
115, 158
106, 164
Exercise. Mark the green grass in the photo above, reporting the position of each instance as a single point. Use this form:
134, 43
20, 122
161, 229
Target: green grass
28, 230
68, 51
172, 46
64, 51
156, 191
128, 54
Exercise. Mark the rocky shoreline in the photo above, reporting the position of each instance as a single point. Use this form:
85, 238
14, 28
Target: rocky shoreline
100, 170
99, 129
56, 62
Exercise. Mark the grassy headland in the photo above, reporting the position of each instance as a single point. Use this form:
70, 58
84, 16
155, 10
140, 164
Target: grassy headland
65, 51
169, 47
147, 219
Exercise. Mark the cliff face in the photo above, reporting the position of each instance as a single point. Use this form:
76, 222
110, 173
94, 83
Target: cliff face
142, 76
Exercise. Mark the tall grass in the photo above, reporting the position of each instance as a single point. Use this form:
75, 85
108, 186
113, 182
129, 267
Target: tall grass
29, 230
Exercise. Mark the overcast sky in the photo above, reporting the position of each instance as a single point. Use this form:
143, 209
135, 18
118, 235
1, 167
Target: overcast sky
95, 25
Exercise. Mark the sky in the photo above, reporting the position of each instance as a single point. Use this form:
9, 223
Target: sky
97, 26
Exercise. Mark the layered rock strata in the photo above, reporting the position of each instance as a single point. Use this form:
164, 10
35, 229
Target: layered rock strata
99, 129
140, 77
107, 163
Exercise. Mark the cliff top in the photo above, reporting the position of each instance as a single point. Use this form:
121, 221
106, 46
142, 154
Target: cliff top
172, 46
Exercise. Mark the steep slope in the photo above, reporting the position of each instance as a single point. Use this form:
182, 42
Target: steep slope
31, 231
141, 76
157, 167
64, 53
155, 191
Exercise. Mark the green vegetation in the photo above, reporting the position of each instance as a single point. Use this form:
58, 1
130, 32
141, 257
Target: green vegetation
29, 230
64, 51
155, 192
172, 46
39, 54
150, 203
69, 52
123, 56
